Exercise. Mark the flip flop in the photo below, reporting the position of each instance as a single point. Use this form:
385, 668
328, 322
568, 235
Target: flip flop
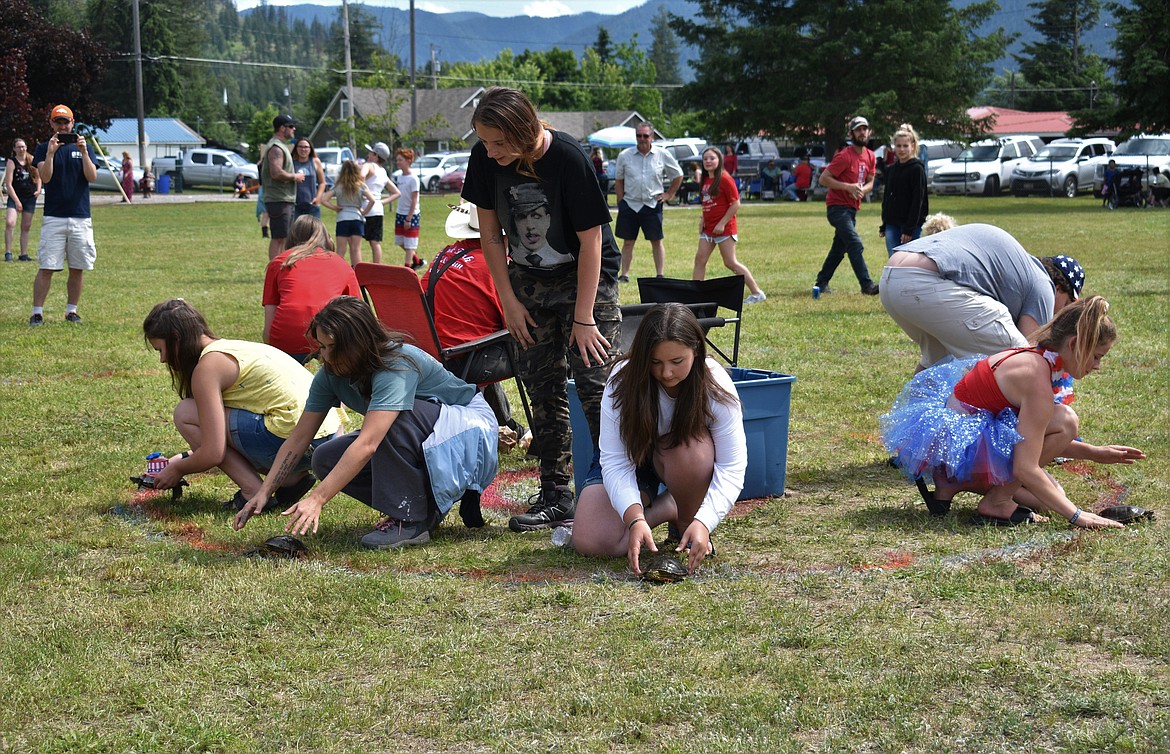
937, 508
1020, 515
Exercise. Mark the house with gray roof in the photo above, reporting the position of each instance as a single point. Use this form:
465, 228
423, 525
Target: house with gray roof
450, 111
165, 137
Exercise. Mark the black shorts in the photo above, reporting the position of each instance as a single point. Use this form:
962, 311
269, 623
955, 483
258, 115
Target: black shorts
280, 217
648, 220
373, 231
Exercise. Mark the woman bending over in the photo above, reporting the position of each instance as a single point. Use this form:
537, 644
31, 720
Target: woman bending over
428, 438
990, 426
239, 401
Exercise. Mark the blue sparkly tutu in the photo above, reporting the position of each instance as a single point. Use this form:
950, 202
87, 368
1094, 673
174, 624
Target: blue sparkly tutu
926, 436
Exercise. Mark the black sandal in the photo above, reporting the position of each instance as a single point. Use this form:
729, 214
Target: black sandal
937, 508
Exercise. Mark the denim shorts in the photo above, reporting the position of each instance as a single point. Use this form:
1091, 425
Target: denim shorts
254, 442
649, 483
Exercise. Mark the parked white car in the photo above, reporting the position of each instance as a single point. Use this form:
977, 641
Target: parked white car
109, 174
1063, 167
985, 167
331, 159
430, 168
1145, 151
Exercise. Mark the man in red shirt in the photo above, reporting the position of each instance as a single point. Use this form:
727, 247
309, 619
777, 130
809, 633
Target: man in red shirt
803, 174
849, 177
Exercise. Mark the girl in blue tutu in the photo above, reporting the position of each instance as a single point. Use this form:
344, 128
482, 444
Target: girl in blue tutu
990, 425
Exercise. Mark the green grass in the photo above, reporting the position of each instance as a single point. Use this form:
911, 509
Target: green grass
838, 618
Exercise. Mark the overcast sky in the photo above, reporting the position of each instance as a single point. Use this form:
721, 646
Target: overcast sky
502, 8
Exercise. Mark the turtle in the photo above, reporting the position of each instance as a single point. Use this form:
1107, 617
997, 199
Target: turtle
663, 568
146, 482
282, 546
1127, 514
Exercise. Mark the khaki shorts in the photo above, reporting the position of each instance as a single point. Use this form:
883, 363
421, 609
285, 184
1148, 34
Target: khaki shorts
66, 239
945, 318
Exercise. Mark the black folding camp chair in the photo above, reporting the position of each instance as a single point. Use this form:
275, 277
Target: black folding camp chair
704, 297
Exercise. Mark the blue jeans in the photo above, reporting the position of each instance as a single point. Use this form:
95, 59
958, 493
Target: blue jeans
894, 236
845, 241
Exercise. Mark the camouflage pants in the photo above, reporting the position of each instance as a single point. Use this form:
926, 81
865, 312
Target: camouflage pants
546, 366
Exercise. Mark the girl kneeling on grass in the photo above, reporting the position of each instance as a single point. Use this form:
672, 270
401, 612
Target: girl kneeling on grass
239, 401
990, 425
669, 416
428, 437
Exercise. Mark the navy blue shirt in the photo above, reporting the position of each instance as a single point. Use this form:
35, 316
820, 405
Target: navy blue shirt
67, 195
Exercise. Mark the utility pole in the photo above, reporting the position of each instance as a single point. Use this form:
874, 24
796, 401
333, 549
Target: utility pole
138, 88
413, 91
434, 68
348, 75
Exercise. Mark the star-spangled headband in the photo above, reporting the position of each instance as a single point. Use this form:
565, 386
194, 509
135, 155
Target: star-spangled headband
1072, 271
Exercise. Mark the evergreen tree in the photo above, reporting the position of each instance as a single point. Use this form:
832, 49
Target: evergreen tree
664, 49
1142, 62
802, 68
1061, 74
603, 46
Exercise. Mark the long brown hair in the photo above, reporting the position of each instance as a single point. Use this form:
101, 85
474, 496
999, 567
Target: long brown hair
512, 112
308, 234
717, 176
181, 327
635, 390
28, 156
362, 345
349, 182
1088, 320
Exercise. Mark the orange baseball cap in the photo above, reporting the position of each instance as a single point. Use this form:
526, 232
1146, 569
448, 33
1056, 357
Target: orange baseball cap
60, 111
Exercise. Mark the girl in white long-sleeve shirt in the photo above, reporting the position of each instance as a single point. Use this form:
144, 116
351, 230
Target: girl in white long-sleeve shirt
670, 416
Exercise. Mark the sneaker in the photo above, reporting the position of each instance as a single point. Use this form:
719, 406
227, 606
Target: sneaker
756, 298
73, 317
292, 494
623, 278
36, 320
8, 256
417, 262
549, 508
870, 289
390, 533
24, 258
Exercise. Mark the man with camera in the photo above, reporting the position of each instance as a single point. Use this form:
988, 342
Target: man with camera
67, 166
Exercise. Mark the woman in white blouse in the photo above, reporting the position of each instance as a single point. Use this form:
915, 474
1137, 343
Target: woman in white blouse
669, 417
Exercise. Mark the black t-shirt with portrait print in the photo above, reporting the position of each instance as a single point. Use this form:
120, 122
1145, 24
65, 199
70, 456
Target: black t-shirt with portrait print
542, 216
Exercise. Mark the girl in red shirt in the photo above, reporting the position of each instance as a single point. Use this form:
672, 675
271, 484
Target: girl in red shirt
718, 228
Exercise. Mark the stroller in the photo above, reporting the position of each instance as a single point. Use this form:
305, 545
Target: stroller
1126, 189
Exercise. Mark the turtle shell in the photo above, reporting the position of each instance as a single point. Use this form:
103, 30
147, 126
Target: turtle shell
280, 547
664, 568
1127, 514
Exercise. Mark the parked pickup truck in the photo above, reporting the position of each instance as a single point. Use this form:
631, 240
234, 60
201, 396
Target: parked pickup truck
206, 166
753, 154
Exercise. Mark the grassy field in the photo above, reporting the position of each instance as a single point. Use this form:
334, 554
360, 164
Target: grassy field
838, 618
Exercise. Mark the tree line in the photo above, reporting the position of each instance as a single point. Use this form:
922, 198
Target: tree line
795, 69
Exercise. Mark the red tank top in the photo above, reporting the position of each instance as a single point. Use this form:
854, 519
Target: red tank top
978, 387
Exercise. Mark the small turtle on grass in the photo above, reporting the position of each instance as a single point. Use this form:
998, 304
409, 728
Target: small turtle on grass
663, 568
1127, 514
279, 547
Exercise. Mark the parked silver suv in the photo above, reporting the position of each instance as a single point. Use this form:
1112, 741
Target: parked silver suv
1062, 167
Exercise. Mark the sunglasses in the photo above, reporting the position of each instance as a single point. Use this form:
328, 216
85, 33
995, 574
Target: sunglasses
62, 120
643, 136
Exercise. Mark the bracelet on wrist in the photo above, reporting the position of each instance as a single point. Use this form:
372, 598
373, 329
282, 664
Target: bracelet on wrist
1075, 516
585, 324
630, 526
185, 454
